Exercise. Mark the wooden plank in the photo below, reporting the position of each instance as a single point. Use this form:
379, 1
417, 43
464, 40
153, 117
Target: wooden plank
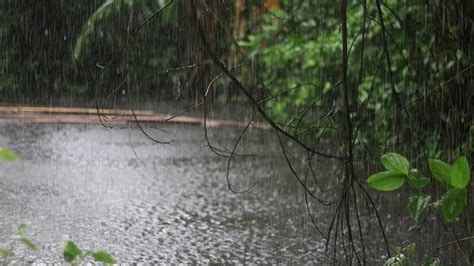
54, 115
59, 119
65, 110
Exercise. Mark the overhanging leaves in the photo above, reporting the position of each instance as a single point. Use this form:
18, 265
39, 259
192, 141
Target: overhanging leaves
440, 170
453, 203
386, 181
460, 173
71, 251
395, 162
102, 256
417, 204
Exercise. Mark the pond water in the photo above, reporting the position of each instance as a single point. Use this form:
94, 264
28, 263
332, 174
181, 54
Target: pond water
114, 189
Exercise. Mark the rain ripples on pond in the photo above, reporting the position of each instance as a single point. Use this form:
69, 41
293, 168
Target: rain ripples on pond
145, 202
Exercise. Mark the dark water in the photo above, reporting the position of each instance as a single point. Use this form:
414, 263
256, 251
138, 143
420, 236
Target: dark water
161, 203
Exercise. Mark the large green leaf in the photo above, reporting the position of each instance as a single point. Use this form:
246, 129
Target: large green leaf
460, 173
395, 162
386, 181
102, 256
417, 204
71, 251
453, 203
8, 155
440, 170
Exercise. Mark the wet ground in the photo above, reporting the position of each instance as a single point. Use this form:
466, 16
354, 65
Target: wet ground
116, 190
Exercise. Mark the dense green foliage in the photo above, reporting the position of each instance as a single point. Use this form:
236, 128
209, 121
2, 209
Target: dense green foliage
45, 56
420, 100
35, 47
110, 32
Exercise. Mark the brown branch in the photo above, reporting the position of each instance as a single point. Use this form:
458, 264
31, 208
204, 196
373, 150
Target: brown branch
232, 154
457, 241
259, 108
347, 109
454, 242
389, 63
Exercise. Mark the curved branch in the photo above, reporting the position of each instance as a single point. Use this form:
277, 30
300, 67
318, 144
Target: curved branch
259, 108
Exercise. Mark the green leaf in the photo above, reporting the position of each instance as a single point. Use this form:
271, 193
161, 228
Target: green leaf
395, 162
417, 204
102, 256
5, 252
453, 203
29, 243
71, 251
460, 173
386, 181
22, 229
440, 170
7, 155
417, 180
433, 262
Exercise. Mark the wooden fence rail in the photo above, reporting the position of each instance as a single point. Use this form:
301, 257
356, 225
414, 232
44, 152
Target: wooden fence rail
62, 115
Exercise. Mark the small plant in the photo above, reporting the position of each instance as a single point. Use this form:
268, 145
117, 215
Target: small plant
74, 255
18, 236
404, 257
8, 155
71, 253
454, 178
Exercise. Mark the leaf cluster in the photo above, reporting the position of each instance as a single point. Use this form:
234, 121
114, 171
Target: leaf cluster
454, 178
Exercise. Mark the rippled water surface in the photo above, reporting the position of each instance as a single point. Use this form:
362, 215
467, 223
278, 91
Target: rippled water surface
116, 190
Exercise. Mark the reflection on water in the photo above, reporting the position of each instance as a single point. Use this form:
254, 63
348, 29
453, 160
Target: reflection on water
169, 204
